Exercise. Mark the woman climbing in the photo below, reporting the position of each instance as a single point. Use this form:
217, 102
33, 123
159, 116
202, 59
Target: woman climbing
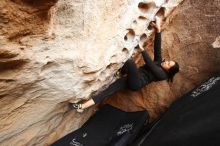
136, 78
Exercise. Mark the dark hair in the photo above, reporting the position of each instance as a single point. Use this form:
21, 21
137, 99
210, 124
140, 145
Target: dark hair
172, 71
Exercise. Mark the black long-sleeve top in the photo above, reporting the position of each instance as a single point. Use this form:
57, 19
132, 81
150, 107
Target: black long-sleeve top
152, 70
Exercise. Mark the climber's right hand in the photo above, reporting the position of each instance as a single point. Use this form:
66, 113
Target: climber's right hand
157, 25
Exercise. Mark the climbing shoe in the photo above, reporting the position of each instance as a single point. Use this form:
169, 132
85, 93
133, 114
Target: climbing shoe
77, 106
118, 74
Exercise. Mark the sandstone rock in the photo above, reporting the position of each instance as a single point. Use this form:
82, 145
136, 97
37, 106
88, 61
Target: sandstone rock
187, 39
53, 51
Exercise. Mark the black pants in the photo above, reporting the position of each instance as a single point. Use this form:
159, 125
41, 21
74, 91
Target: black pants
132, 81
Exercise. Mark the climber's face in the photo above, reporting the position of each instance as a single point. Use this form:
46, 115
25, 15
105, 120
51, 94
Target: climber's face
167, 64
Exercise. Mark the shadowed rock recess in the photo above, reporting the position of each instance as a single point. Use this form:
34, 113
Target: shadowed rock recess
54, 51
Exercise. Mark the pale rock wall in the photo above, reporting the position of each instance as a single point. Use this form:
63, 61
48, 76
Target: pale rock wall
53, 51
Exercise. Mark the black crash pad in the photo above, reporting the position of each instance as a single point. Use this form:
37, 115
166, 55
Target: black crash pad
193, 120
107, 127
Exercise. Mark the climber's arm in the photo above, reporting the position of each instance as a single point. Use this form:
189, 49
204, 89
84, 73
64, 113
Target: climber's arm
156, 70
157, 47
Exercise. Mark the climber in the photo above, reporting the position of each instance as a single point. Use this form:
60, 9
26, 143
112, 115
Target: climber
135, 78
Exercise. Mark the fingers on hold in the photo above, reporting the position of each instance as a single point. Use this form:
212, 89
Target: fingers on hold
152, 23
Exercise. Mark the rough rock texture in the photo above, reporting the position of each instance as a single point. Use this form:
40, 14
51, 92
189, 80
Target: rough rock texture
188, 39
53, 51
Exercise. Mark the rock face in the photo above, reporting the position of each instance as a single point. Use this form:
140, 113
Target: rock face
191, 37
53, 51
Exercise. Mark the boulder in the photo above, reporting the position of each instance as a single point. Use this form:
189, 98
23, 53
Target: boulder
56, 51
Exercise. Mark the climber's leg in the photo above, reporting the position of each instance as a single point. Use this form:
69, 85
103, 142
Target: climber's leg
88, 103
119, 84
133, 76
81, 106
132, 81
